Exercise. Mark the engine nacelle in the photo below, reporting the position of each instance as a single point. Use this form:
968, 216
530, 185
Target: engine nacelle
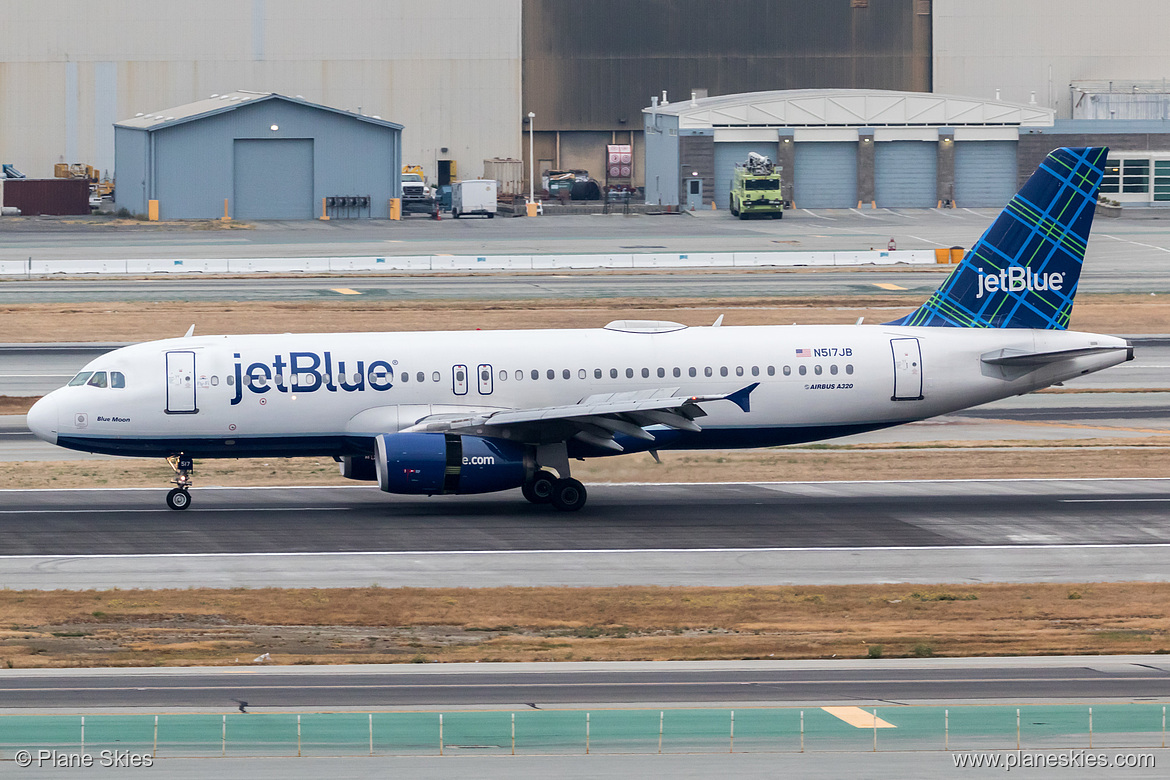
430, 463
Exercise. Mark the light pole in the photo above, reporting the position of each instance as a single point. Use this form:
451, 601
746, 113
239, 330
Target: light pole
531, 159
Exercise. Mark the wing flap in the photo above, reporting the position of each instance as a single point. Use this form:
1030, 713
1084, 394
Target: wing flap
595, 420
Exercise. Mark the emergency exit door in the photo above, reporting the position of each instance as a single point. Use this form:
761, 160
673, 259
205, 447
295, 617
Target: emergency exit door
181, 383
907, 370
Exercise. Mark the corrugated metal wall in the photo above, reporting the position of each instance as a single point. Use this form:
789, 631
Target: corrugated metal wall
449, 71
1042, 45
591, 65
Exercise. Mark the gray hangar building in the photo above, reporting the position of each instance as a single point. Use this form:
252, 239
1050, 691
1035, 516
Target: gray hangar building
841, 148
268, 156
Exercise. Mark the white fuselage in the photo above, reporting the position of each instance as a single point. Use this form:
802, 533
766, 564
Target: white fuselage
239, 396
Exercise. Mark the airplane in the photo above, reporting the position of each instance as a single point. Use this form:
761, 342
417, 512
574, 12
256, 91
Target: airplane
483, 411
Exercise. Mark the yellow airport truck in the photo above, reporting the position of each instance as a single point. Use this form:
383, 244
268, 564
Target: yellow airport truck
755, 188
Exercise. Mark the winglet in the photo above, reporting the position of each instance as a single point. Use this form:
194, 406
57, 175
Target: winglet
741, 397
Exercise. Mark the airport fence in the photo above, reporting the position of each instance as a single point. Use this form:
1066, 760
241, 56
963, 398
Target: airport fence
603, 731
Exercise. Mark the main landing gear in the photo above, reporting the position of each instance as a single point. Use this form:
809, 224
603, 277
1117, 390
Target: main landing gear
567, 495
180, 497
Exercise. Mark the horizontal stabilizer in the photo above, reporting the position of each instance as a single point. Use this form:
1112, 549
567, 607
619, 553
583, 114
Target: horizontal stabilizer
1015, 357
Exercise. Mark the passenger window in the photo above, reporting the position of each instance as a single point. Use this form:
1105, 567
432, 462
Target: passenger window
80, 379
707, 371
118, 379
661, 373
613, 373
98, 379
629, 373
723, 371
551, 374
565, 374
503, 375
755, 370
677, 372
581, 373
420, 376
848, 368
803, 370
691, 371
485, 376
519, 375
739, 370
772, 371
405, 377
787, 370
122, 379
833, 369
435, 375
597, 373
535, 374
817, 370
231, 380
645, 373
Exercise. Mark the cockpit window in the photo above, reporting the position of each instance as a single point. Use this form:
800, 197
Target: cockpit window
98, 379
80, 379
117, 379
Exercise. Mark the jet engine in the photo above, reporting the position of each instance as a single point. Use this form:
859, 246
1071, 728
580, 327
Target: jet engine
430, 463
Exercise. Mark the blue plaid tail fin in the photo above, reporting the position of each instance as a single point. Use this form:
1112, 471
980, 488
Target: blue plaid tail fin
1023, 272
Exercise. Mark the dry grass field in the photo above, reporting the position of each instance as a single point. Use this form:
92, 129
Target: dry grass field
144, 321
380, 625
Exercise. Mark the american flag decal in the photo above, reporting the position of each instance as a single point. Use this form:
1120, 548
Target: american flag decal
804, 353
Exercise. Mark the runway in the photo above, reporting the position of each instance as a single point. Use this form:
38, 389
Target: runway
682, 534
572, 685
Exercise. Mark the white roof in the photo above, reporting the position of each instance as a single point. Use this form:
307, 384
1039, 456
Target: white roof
226, 102
850, 108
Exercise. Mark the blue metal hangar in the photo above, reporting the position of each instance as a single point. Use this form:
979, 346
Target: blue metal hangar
257, 155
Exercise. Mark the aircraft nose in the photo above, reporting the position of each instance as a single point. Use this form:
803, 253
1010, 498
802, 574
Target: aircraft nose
42, 419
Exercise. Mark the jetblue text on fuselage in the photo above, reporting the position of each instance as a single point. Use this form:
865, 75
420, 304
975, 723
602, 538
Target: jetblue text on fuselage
308, 372
1018, 278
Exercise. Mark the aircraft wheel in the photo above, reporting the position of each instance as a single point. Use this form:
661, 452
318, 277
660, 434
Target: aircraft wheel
540, 489
178, 499
568, 495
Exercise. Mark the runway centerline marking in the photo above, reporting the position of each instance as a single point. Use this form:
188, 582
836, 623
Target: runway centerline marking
858, 718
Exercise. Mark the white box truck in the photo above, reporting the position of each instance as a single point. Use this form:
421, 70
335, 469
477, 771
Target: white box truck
475, 196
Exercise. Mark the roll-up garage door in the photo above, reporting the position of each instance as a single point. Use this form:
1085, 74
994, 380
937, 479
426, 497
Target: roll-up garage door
825, 175
727, 154
905, 174
274, 178
985, 173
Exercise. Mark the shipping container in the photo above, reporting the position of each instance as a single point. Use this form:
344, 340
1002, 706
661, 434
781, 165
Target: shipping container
55, 197
509, 173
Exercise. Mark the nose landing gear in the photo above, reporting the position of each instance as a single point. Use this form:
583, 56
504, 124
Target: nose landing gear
183, 465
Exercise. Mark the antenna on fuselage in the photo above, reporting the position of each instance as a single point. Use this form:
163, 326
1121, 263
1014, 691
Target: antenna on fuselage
860, 320
717, 322
190, 331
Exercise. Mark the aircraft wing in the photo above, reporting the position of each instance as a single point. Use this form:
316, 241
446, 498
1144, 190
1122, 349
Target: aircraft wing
593, 420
